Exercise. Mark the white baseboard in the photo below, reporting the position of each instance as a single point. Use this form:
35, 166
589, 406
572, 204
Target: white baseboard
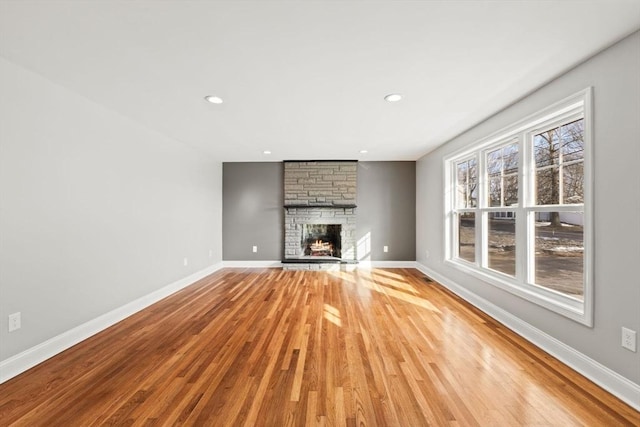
29, 358
360, 264
278, 263
386, 264
621, 387
251, 264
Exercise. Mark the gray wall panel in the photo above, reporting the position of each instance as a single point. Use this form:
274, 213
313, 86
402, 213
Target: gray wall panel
253, 211
252, 202
386, 211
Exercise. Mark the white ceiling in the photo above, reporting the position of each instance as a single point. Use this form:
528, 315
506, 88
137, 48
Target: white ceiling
306, 79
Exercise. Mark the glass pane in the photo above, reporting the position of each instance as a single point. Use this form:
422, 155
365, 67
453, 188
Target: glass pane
473, 173
559, 262
495, 191
546, 148
461, 196
467, 236
473, 184
467, 184
494, 162
510, 159
502, 173
511, 190
511, 175
462, 172
559, 156
573, 180
473, 199
573, 141
547, 186
461, 180
502, 242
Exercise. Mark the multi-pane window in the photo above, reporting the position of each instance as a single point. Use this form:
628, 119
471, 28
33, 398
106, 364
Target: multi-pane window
517, 216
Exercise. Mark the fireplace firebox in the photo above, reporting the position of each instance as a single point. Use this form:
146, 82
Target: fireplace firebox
321, 240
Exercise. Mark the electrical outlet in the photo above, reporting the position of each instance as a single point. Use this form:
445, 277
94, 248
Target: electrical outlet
629, 339
385, 248
427, 254
254, 249
210, 253
186, 262
15, 322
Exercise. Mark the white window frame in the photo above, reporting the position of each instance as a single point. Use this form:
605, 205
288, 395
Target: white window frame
569, 109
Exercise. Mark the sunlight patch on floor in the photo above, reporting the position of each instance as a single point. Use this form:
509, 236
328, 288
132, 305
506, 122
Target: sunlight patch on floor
332, 314
420, 302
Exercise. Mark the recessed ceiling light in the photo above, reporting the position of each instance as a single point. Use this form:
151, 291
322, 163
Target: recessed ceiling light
266, 152
213, 99
393, 97
364, 151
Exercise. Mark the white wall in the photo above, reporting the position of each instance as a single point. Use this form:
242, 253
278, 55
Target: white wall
615, 76
95, 210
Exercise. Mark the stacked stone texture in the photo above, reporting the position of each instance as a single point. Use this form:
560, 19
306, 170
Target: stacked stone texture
320, 183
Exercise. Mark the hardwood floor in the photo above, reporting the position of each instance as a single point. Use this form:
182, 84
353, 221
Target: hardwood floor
279, 348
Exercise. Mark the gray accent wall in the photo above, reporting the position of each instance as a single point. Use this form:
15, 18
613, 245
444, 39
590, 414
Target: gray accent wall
253, 211
614, 75
95, 210
386, 211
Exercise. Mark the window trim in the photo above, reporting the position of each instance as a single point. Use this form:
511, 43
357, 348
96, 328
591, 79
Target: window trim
578, 105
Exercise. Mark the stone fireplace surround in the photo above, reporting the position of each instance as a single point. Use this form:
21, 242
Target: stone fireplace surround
319, 192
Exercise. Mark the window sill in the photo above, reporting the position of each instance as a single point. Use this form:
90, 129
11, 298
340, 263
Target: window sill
553, 301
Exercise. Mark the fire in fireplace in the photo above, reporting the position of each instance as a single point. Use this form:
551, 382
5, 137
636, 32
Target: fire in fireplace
321, 240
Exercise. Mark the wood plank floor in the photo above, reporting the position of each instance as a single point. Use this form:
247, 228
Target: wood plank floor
281, 348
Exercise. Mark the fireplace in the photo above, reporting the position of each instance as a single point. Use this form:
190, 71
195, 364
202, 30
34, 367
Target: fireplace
321, 240
319, 213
